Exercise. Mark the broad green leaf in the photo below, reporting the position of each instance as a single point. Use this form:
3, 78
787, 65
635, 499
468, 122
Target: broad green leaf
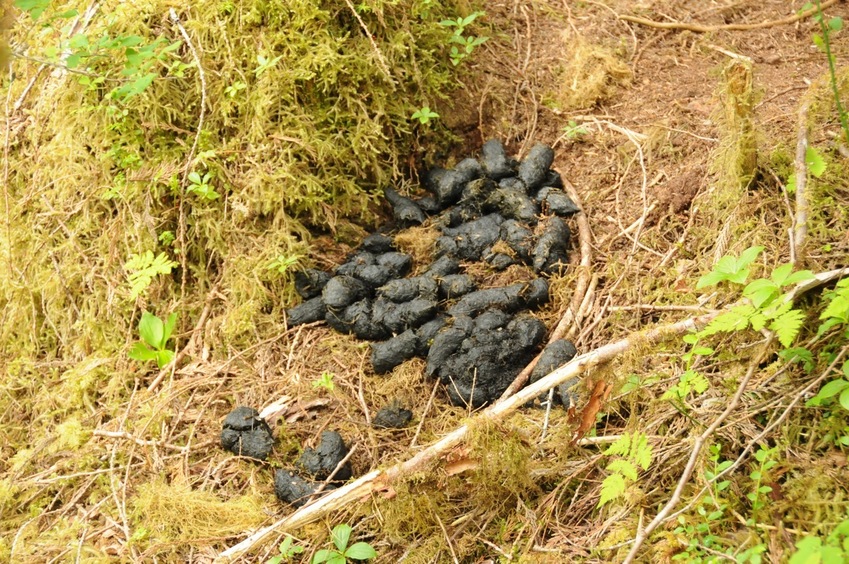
151, 330
832, 555
833, 388
169, 327
690, 338
739, 277
835, 24
726, 265
844, 399
164, 357
275, 559
761, 291
798, 354
815, 162
818, 41
361, 551
797, 277
611, 488
194, 178
748, 256
33, 7
323, 555
710, 279
142, 353
703, 351
807, 551
340, 535
780, 274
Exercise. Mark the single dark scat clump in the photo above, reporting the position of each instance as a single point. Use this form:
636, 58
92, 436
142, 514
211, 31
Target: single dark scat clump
310, 282
392, 416
246, 433
555, 355
291, 488
320, 462
406, 211
306, 312
386, 355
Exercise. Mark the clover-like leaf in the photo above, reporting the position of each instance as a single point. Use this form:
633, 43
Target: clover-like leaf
340, 535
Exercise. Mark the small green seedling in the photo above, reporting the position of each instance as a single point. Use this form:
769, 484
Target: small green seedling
424, 115
282, 263
200, 185
234, 89
325, 381
466, 44
154, 334
265, 63
573, 130
143, 268
287, 551
340, 536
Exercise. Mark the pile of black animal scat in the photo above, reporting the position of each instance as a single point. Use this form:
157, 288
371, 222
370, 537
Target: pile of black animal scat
493, 209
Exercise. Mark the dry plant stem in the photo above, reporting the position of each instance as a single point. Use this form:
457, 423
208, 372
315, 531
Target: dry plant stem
186, 168
192, 339
6, 171
800, 231
380, 59
573, 311
643, 533
728, 27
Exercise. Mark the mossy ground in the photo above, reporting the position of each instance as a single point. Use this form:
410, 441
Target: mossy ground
681, 159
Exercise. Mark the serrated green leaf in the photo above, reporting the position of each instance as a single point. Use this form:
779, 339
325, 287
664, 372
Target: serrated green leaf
611, 488
142, 353
815, 162
623, 467
151, 329
787, 326
340, 535
622, 446
818, 41
642, 452
790, 185
758, 321
361, 551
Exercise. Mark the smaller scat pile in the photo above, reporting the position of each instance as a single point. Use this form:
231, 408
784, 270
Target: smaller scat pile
245, 433
493, 210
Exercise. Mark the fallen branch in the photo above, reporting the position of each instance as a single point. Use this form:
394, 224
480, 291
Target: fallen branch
381, 480
727, 27
800, 231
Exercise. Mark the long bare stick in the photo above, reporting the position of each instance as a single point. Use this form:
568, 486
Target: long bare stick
800, 231
729, 27
380, 480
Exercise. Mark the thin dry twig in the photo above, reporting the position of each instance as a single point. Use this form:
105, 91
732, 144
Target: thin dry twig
800, 231
697, 28
380, 59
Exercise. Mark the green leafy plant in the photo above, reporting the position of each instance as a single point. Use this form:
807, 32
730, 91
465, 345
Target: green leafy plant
424, 115
730, 268
632, 452
815, 164
154, 335
287, 551
234, 89
325, 381
833, 550
265, 63
200, 185
282, 263
340, 536
575, 131
765, 462
465, 45
143, 268
836, 314
823, 42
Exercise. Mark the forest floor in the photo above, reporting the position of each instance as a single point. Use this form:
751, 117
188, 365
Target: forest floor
678, 134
